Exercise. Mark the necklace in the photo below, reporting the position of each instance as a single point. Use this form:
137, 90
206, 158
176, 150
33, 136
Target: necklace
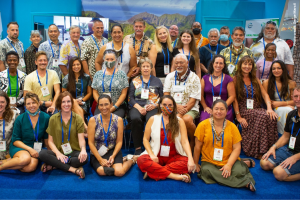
215, 77
218, 137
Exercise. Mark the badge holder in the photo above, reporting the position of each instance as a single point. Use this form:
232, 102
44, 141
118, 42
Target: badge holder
37, 146
2, 145
22, 62
145, 93
164, 151
45, 91
218, 154
167, 69
231, 68
66, 148
216, 98
108, 94
292, 142
103, 150
250, 103
13, 100
55, 62
178, 97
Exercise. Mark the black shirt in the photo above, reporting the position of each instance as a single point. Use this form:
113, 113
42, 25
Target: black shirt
191, 61
205, 55
288, 128
159, 64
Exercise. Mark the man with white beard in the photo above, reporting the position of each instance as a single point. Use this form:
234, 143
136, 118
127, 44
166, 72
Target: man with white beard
236, 51
269, 34
208, 51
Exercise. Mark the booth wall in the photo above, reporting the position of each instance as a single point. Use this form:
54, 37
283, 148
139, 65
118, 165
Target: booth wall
6, 9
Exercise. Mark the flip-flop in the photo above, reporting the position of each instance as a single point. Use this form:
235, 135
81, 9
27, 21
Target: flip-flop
183, 179
43, 167
253, 187
80, 169
252, 162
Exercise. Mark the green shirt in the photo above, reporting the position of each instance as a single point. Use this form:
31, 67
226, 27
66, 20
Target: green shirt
54, 129
13, 83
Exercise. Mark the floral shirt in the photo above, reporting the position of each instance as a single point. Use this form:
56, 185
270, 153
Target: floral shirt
5, 47
89, 51
119, 82
30, 58
141, 52
231, 61
45, 46
282, 49
69, 50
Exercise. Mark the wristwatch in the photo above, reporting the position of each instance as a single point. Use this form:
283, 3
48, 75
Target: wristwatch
44, 103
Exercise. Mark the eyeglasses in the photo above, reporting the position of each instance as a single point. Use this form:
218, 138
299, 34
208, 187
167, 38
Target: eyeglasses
174, 29
271, 22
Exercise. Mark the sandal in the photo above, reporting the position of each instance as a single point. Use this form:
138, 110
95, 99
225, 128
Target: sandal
253, 189
189, 178
80, 172
145, 176
130, 157
251, 161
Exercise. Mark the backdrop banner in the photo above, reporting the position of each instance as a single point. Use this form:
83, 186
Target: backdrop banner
253, 26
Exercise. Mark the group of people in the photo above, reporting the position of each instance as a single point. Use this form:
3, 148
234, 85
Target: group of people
181, 94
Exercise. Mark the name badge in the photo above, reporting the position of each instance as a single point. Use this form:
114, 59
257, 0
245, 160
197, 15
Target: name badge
167, 69
231, 68
107, 93
22, 63
250, 103
45, 91
120, 65
55, 62
216, 98
292, 142
37, 146
218, 154
13, 100
178, 97
66, 148
103, 150
2, 145
145, 94
164, 151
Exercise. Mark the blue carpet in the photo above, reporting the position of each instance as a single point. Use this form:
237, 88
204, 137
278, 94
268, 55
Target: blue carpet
60, 185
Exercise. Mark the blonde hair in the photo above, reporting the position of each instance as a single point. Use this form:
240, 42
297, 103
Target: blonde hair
157, 42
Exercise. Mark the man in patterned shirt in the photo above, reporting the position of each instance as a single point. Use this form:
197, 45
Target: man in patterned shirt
236, 51
52, 48
140, 43
184, 86
91, 46
12, 43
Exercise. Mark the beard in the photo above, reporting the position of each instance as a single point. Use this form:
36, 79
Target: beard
268, 36
237, 44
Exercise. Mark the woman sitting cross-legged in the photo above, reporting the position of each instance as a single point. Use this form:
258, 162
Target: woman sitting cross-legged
105, 134
28, 134
219, 142
66, 139
168, 154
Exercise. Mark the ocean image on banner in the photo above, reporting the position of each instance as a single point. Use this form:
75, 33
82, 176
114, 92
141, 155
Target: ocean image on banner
154, 12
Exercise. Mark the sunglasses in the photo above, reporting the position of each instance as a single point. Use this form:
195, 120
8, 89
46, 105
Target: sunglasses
271, 22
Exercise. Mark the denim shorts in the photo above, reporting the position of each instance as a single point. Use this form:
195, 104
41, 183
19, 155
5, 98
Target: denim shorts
281, 155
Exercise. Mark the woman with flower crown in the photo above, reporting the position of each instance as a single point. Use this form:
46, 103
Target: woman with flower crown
219, 142
168, 154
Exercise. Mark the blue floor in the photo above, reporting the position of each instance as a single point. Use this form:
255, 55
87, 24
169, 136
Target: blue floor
60, 185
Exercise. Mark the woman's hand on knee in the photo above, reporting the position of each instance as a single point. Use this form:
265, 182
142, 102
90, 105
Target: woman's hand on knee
62, 158
154, 158
198, 168
82, 156
34, 153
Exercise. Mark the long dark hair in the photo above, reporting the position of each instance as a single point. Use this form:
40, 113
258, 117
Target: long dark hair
173, 124
71, 79
239, 86
284, 78
8, 113
211, 65
192, 45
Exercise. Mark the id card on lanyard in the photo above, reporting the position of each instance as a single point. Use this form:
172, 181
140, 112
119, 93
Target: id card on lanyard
55, 60
3, 142
145, 91
178, 90
139, 53
66, 147
103, 89
218, 153
211, 55
165, 149
13, 99
292, 141
36, 145
212, 88
120, 64
21, 60
166, 65
231, 67
250, 102
45, 90
103, 149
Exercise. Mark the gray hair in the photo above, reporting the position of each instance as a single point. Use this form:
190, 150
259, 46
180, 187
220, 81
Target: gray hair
181, 55
146, 59
239, 28
35, 32
73, 27
109, 51
225, 27
212, 30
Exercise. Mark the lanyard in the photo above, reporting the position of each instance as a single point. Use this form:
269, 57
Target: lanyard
247, 89
216, 133
143, 82
3, 129
179, 81
121, 51
15, 48
81, 88
174, 44
110, 80
264, 69
96, 42
140, 46
39, 78
38, 125
10, 83
62, 128
165, 56
212, 88
189, 55
106, 133
211, 50
236, 59
53, 55
264, 43
166, 133
293, 129
78, 52
278, 92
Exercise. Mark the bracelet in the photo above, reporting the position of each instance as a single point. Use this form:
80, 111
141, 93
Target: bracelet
269, 102
275, 146
116, 107
237, 113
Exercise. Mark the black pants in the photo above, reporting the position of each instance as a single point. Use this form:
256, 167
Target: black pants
49, 157
137, 125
